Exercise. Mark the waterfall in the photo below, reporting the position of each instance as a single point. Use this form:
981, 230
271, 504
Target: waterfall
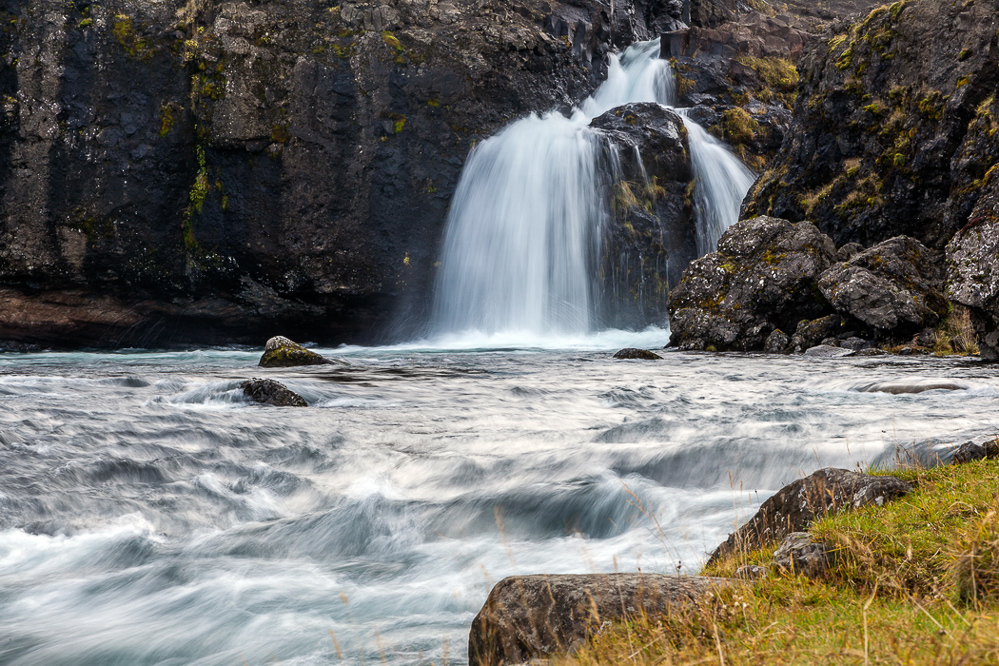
523, 233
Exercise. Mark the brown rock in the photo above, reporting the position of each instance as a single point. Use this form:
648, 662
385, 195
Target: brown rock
280, 352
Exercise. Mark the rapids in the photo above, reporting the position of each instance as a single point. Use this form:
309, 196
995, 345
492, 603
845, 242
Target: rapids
150, 515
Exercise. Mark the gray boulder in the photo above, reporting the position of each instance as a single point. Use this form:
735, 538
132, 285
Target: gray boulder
761, 278
972, 451
797, 504
973, 273
799, 554
270, 392
527, 617
280, 352
630, 353
777, 342
893, 286
810, 333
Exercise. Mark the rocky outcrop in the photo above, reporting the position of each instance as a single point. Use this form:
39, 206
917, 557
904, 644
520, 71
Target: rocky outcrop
799, 554
761, 278
972, 451
280, 352
528, 617
652, 235
972, 261
771, 275
797, 504
207, 171
631, 353
270, 392
891, 137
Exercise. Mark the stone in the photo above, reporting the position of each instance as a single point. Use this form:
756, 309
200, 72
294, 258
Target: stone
972, 259
630, 353
972, 451
777, 342
796, 505
849, 251
529, 617
280, 352
829, 351
751, 572
814, 332
761, 278
856, 344
799, 554
894, 286
270, 392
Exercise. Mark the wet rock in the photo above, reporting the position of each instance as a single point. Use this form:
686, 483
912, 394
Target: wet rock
760, 279
973, 272
911, 387
797, 504
849, 251
972, 451
856, 344
817, 331
651, 236
829, 351
798, 554
893, 286
906, 351
527, 617
270, 392
630, 353
280, 352
777, 342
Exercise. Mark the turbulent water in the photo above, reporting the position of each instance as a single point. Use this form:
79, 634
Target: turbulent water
523, 232
150, 515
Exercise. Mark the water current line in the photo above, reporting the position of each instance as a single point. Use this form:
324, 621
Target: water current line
522, 239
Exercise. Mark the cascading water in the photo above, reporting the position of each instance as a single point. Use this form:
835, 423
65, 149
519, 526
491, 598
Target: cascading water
523, 234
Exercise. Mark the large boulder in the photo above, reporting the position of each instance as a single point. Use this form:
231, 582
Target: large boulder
893, 286
280, 352
973, 271
528, 617
797, 504
651, 236
761, 278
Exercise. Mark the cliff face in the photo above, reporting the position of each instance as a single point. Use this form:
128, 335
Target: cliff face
212, 171
894, 128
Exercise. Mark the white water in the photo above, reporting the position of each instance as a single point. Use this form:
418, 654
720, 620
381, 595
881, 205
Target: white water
523, 233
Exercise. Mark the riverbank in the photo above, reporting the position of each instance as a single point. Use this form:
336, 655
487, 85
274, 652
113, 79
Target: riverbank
913, 581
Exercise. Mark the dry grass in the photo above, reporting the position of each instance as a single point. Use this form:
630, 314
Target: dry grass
914, 582
956, 334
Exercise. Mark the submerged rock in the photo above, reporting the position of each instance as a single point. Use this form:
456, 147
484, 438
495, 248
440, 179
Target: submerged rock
760, 279
630, 353
829, 351
270, 392
527, 617
280, 352
797, 504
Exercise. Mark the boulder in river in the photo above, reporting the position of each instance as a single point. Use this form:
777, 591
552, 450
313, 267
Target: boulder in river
280, 352
893, 286
270, 392
631, 353
797, 504
761, 278
527, 617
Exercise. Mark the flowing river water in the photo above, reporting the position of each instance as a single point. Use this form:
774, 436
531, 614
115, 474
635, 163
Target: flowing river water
150, 515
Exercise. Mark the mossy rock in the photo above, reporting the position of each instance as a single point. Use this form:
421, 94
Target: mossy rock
280, 352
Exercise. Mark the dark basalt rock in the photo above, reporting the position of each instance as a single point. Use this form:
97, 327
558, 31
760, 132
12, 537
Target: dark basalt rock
760, 279
270, 392
811, 333
630, 353
797, 504
777, 342
652, 236
890, 137
972, 451
528, 617
893, 286
280, 352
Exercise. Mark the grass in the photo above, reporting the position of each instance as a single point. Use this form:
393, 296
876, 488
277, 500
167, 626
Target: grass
913, 582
